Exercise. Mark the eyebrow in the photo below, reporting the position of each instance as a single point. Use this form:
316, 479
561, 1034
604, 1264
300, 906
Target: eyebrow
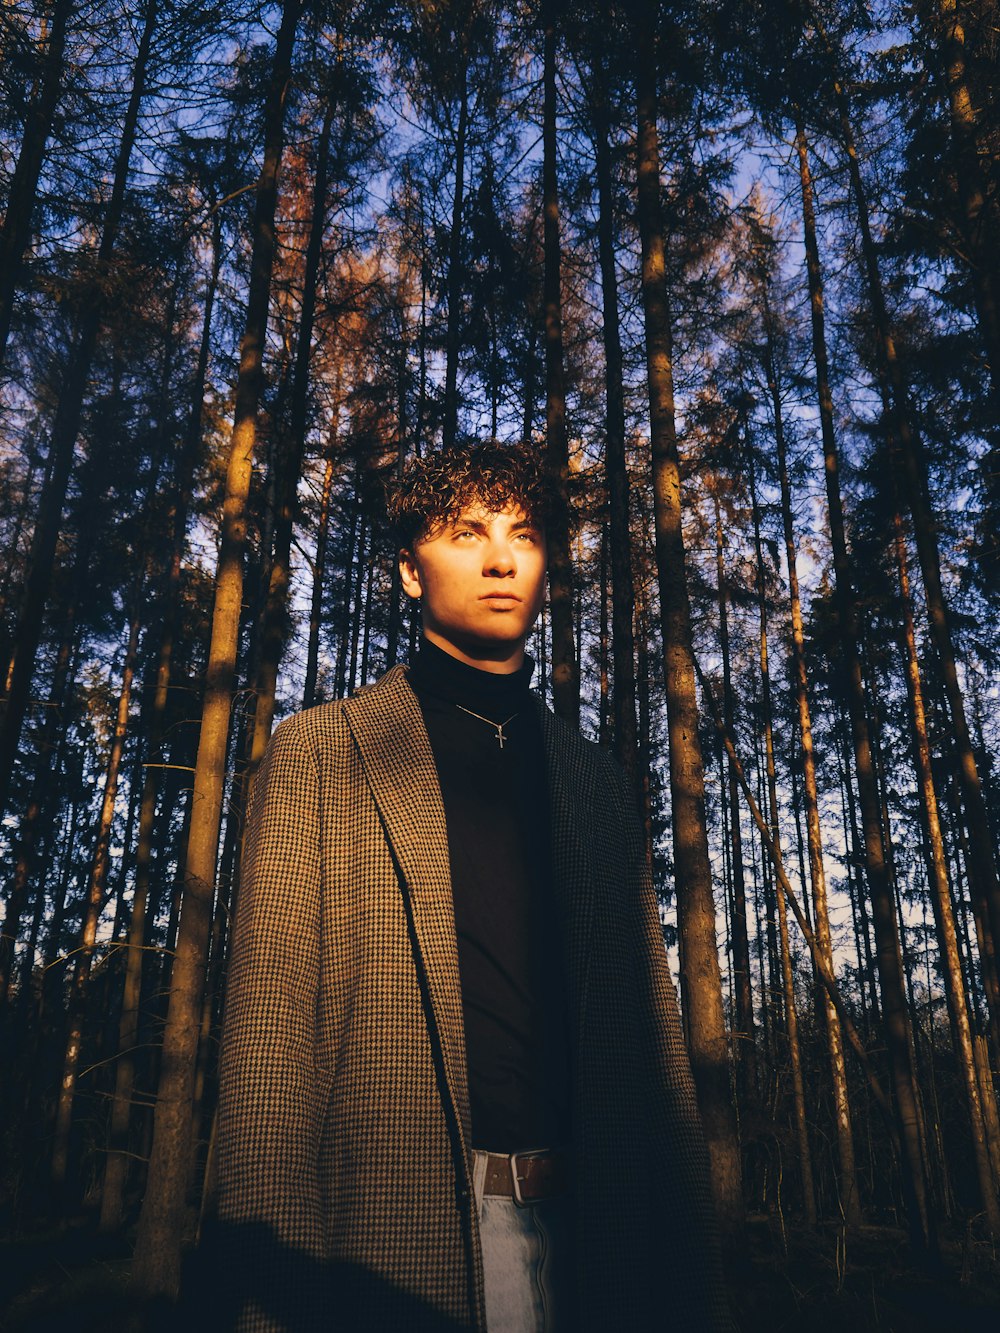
477, 525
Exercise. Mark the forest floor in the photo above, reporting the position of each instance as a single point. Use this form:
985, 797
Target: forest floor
791, 1279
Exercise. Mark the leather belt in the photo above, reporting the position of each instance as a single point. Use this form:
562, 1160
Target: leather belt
527, 1177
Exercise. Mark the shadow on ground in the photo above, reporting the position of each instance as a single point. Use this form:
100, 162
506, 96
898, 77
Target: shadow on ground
788, 1280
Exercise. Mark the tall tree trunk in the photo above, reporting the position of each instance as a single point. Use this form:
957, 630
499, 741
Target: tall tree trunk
890, 964
565, 675
290, 449
156, 1267
93, 905
65, 429
744, 1033
625, 740
940, 894
850, 1202
787, 975
701, 980
854, 860
16, 231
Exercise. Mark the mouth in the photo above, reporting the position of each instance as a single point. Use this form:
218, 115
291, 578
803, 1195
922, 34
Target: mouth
501, 598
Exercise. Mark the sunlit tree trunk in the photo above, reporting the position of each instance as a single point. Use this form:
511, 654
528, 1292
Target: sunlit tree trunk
701, 979
156, 1267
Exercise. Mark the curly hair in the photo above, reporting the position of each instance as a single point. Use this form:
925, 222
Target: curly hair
436, 488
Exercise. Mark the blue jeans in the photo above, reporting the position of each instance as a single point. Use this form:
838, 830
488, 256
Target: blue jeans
527, 1260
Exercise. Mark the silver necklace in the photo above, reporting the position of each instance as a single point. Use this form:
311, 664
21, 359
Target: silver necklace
497, 726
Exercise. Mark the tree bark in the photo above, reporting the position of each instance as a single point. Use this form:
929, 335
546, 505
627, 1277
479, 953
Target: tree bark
744, 1030
701, 979
156, 1267
288, 467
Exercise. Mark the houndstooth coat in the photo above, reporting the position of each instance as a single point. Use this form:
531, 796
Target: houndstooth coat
343, 1143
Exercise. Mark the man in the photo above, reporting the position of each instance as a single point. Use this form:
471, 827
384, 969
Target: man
454, 1093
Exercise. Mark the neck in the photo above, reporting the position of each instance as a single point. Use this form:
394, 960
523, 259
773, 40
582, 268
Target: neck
492, 693
500, 659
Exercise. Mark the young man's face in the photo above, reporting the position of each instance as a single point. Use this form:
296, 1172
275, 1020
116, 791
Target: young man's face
481, 579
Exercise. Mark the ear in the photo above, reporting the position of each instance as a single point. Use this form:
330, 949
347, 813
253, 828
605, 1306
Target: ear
409, 573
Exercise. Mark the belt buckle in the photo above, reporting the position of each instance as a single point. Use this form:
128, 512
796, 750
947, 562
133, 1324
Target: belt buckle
519, 1198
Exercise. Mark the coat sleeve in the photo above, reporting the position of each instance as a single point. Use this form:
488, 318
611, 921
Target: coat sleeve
697, 1298
269, 1226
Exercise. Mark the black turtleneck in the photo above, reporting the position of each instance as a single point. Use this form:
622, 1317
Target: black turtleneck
510, 959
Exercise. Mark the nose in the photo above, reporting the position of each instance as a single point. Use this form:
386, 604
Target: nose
499, 562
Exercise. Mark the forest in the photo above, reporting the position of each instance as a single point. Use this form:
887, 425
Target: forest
733, 267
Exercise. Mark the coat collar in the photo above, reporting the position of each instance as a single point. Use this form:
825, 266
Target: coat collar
388, 728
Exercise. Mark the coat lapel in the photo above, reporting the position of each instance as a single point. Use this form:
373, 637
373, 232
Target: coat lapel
388, 728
